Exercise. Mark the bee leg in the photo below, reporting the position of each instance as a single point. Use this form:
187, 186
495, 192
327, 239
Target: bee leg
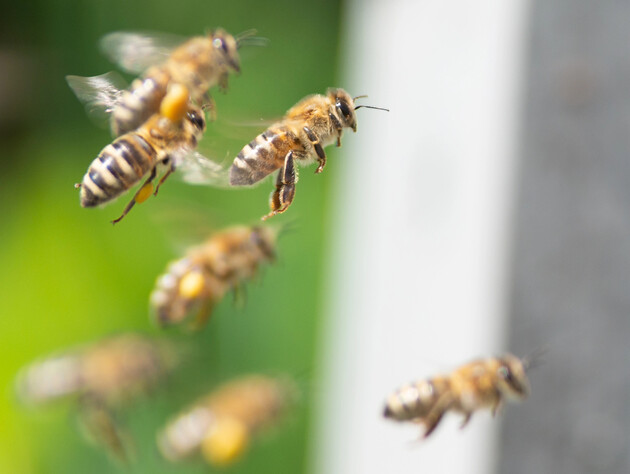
209, 104
223, 82
467, 418
498, 406
202, 316
141, 195
436, 413
283, 196
100, 426
166, 175
240, 296
335, 121
321, 156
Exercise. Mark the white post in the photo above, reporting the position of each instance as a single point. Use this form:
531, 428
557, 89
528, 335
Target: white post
419, 238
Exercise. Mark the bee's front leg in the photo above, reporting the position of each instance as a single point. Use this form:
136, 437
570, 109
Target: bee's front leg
338, 127
283, 196
321, 156
170, 170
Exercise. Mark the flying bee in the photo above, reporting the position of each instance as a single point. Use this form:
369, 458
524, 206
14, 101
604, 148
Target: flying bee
166, 140
307, 128
101, 378
221, 425
484, 383
207, 272
198, 63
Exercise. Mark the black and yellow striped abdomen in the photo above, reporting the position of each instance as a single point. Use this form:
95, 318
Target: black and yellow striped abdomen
116, 169
139, 103
414, 401
263, 155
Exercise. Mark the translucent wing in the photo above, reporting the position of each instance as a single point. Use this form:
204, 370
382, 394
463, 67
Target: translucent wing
194, 168
99, 93
135, 52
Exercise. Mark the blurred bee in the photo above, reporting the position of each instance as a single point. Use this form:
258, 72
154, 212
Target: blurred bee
307, 128
199, 64
207, 272
485, 383
165, 140
101, 377
221, 425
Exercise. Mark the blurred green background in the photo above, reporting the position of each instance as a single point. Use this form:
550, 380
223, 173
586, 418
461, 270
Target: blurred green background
69, 276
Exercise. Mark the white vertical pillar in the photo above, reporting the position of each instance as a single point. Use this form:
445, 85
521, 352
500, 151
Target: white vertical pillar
420, 225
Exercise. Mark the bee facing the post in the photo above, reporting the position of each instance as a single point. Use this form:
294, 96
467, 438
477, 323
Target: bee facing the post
484, 383
307, 128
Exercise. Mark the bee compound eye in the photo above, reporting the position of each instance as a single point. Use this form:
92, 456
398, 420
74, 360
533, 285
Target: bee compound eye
197, 120
343, 108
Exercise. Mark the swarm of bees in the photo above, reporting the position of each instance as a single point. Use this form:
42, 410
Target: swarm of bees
158, 122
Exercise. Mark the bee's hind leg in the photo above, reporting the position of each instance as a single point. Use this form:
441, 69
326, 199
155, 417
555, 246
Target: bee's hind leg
321, 156
283, 196
141, 195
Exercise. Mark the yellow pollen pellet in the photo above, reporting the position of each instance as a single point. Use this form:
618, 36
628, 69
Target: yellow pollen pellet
225, 441
175, 103
144, 193
191, 285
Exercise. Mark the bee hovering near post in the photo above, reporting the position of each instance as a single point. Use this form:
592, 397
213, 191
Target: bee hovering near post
221, 425
166, 140
207, 272
308, 127
484, 383
102, 378
198, 63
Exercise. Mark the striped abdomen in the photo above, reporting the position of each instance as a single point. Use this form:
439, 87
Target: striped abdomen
415, 400
263, 155
138, 104
116, 169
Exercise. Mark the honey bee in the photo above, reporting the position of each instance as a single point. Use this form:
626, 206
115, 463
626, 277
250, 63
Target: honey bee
165, 140
485, 383
101, 378
307, 128
221, 425
207, 272
199, 64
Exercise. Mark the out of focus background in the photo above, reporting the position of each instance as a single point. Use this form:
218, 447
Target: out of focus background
487, 212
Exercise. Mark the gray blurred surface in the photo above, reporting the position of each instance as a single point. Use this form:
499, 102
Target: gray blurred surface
571, 260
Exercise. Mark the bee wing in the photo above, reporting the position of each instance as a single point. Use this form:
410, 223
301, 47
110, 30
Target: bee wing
99, 93
195, 168
134, 52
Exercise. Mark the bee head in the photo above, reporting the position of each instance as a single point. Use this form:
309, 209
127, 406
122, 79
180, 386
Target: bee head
264, 238
227, 47
197, 118
513, 381
344, 105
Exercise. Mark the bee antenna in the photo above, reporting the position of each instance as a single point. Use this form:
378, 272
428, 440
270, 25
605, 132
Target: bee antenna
371, 107
287, 228
534, 359
359, 97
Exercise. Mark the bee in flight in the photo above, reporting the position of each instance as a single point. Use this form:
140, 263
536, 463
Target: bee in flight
221, 425
207, 272
101, 378
307, 128
199, 64
484, 383
167, 139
